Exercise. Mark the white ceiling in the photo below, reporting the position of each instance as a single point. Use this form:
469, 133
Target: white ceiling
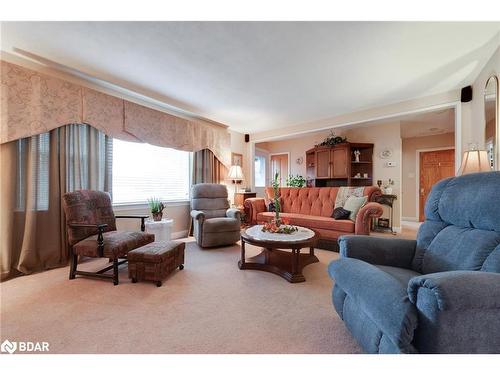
256, 76
429, 123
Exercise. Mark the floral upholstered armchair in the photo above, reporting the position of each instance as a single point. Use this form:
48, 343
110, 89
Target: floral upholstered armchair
91, 232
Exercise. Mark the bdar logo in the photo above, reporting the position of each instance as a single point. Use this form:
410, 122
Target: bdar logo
9, 347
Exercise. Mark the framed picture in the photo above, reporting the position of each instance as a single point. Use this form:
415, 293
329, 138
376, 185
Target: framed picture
237, 159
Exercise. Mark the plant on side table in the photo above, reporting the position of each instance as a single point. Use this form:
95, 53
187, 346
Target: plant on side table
156, 206
296, 181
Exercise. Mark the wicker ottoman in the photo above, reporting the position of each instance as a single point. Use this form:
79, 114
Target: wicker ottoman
156, 260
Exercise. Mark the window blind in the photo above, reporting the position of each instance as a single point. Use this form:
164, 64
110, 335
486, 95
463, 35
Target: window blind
142, 171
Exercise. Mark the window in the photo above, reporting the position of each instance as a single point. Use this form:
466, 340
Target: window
142, 171
36, 149
260, 171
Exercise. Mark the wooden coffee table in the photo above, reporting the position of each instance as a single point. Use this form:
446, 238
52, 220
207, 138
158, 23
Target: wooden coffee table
281, 257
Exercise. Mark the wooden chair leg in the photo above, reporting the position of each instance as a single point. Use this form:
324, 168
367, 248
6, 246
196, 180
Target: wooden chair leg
72, 266
115, 271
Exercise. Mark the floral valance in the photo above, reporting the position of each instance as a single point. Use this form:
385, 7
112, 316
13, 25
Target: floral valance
33, 103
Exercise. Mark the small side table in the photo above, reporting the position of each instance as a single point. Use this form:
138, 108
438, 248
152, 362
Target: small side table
239, 197
385, 200
161, 229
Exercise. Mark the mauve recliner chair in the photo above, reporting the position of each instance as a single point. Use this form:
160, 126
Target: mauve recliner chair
438, 294
215, 224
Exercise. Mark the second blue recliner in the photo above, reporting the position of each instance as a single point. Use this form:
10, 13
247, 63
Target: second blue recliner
438, 294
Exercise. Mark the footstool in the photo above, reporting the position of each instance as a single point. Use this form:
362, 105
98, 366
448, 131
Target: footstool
155, 261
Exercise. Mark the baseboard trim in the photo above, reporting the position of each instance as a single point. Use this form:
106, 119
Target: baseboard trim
180, 234
409, 218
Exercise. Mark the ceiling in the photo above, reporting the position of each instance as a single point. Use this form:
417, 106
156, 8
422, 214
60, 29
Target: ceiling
256, 76
429, 123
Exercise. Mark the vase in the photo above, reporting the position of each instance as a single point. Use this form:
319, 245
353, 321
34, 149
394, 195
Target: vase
157, 216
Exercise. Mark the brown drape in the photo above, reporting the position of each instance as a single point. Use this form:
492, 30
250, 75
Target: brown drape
36, 172
207, 168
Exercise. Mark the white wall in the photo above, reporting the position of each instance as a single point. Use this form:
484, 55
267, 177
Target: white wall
297, 147
383, 136
179, 212
473, 123
410, 175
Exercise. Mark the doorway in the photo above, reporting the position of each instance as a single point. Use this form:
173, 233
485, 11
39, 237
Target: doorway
434, 166
280, 164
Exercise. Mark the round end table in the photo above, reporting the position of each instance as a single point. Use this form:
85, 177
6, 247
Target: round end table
161, 229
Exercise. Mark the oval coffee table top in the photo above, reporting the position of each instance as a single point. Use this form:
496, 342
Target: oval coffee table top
302, 236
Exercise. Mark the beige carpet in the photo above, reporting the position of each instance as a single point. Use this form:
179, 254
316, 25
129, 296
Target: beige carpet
209, 307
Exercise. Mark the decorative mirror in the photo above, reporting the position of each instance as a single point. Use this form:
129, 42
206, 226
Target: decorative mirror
491, 134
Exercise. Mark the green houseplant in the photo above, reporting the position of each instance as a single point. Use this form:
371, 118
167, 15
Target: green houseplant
296, 181
156, 206
278, 225
276, 189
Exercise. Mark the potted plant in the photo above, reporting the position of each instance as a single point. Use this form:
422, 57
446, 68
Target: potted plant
296, 181
156, 207
277, 225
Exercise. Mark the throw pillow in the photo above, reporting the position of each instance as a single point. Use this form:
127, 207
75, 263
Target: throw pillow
345, 192
341, 213
353, 204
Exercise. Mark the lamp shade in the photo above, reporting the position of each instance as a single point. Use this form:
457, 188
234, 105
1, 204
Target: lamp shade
235, 173
474, 161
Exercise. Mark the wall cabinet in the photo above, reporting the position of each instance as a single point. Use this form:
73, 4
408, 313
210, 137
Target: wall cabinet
337, 165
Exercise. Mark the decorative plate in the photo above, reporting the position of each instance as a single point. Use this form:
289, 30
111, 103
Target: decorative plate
385, 154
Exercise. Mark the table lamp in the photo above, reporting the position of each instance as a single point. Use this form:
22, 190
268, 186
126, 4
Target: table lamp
236, 175
474, 161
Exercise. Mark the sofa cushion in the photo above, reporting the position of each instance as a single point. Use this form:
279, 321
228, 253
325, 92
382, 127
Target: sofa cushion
116, 243
354, 204
380, 292
401, 275
340, 213
455, 248
310, 221
210, 198
470, 201
221, 224
87, 207
462, 227
316, 201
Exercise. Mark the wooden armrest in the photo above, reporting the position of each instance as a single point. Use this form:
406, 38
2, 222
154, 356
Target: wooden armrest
100, 230
82, 225
142, 217
131, 216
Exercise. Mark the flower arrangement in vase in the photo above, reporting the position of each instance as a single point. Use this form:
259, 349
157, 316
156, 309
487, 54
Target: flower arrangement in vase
156, 206
278, 225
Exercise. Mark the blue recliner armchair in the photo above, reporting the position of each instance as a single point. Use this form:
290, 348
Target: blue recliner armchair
438, 294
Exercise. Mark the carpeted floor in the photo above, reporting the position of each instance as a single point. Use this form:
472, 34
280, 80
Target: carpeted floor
209, 307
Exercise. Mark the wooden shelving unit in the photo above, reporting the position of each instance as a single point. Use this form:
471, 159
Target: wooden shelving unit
337, 166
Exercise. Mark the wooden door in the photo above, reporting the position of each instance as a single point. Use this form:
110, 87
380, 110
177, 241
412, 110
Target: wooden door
279, 163
340, 160
434, 166
323, 163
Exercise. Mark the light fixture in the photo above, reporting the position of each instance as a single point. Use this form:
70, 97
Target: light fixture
236, 175
474, 161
